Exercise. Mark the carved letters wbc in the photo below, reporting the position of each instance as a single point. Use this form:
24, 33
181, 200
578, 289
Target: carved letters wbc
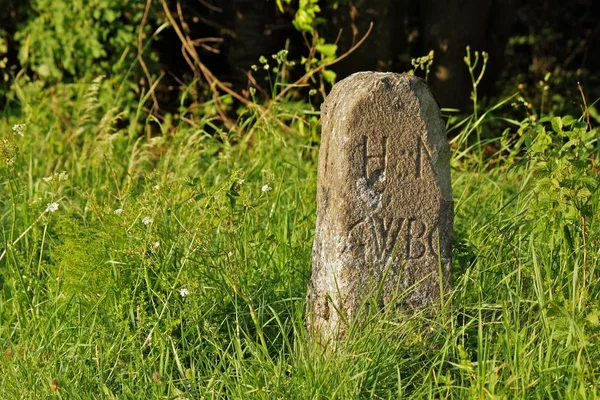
402, 238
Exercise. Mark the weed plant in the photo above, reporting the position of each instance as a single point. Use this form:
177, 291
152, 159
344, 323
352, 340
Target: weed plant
175, 265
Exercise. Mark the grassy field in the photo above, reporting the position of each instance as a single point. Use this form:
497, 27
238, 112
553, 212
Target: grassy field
145, 259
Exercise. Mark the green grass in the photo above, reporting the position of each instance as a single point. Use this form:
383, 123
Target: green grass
91, 303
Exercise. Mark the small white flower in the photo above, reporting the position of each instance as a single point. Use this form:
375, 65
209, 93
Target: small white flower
156, 245
266, 188
118, 211
18, 129
52, 207
184, 292
147, 220
156, 187
48, 179
230, 254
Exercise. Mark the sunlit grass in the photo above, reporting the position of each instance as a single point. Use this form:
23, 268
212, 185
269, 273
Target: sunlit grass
176, 264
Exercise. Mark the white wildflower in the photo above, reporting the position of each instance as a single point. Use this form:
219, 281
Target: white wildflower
147, 220
156, 187
118, 211
52, 207
156, 245
18, 129
184, 292
266, 188
230, 254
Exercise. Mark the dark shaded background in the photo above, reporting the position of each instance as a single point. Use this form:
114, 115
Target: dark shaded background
525, 40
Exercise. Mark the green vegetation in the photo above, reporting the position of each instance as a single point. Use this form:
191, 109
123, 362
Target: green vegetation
147, 257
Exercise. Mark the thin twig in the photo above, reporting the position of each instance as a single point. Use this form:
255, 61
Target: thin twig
255, 84
189, 62
202, 43
585, 107
583, 220
325, 65
215, 84
191, 51
210, 6
589, 124
310, 73
184, 24
207, 74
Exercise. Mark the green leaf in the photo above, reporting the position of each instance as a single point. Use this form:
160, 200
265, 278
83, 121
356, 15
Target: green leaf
305, 16
594, 113
279, 5
567, 120
593, 318
327, 49
44, 70
557, 124
329, 76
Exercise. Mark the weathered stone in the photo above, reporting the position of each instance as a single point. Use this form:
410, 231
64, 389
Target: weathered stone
384, 201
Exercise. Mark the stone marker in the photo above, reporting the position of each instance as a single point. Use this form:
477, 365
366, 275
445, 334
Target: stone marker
384, 201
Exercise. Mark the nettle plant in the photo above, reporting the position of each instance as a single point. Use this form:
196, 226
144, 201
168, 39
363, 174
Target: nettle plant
563, 154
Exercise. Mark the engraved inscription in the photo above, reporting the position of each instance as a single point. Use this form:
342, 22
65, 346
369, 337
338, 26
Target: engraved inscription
414, 238
374, 158
436, 245
325, 308
386, 233
415, 243
413, 161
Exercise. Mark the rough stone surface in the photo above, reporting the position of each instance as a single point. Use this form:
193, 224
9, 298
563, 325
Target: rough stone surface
384, 201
